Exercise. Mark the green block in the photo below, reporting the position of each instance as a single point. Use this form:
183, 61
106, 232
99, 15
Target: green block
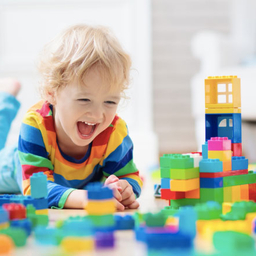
155, 220
211, 194
208, 211
18, 235
236, 242
176, 161
165, 172
169, 211
184, 174
184, 202
102, 220
237, 180
42, 220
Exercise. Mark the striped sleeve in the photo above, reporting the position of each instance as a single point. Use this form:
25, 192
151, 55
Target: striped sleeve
119, 157
33, 158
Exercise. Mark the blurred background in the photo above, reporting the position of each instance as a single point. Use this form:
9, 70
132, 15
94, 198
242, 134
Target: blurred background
174, 46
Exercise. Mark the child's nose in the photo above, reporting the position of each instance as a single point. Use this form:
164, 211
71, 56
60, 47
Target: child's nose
96, 112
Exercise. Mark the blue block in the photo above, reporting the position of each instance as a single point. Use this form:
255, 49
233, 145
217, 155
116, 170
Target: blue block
25, 224
168, 241
223, 125
39, 203
187, 220
205, 150
239, 163
165, 183
96, 191
211, 182
38, 183
4, 216
47, 235
210, 165
124, 222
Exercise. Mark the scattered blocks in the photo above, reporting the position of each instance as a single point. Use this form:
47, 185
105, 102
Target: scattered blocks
38, 183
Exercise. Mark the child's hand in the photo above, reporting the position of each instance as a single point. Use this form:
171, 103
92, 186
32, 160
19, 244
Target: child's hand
123, 193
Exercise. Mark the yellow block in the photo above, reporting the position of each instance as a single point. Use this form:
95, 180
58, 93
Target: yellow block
4, 225
100, 207
236, 193
77, 244
184, 185
172, 221
244, 190
42, 212
223, 110
227, 194
222, 155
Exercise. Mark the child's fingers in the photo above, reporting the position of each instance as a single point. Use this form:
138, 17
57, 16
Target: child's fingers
129, 200
111, 179
119, 206
116, 193
127, 192
134, 205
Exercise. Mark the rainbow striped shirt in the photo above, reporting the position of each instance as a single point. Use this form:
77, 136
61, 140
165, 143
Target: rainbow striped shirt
111, 152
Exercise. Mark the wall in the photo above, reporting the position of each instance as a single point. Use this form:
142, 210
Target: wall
174, 23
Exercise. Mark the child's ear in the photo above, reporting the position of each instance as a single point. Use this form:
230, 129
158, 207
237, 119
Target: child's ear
51, 97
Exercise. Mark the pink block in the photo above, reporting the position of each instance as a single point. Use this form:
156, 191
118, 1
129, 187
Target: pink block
219, 143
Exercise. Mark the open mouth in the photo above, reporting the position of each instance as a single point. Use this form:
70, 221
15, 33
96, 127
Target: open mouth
86, 129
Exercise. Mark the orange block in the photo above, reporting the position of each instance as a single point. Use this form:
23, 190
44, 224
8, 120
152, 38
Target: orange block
244, 189
193, 193
185, 185
227, 166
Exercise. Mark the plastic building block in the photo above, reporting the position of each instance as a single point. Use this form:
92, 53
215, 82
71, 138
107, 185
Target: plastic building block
222, 92
219, 144
237, 149
4, 217
236, 180
224, 125
211, 194
233, 243
187, 221
77, 244
252, 192
210, 210
239, 163
104, 240
168, 194
165, 183
227, 194
211, 182
197, 156
165, 172
25, 224
185, 185
227, 165
204, 151
102, 221
18, 235
176, 161
47, 235
38, 182
97, 192
222, 174
124, 222
102, 207
210, 165
244, 190
185, 202
225, 155
7, 245
192, 194
184, 174
15, 211
155, 220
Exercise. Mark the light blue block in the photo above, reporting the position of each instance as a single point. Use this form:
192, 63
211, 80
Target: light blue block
210, 165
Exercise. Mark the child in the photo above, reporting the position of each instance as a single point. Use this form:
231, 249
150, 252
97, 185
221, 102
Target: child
74, 135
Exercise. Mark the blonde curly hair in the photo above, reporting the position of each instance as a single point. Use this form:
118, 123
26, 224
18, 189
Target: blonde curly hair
72, 53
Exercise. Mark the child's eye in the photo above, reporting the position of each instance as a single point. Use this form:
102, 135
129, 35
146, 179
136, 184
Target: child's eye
84, 100
110, 102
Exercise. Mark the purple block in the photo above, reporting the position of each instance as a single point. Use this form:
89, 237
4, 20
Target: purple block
104, 240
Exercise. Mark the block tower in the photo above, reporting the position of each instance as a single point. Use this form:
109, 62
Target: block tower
223, 171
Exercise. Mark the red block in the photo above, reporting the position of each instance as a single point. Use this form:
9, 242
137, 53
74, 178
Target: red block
237, 149
222, 174
16, 211
252, 192
169, 195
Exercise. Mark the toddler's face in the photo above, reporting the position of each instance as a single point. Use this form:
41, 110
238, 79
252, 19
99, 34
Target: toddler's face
83, 112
